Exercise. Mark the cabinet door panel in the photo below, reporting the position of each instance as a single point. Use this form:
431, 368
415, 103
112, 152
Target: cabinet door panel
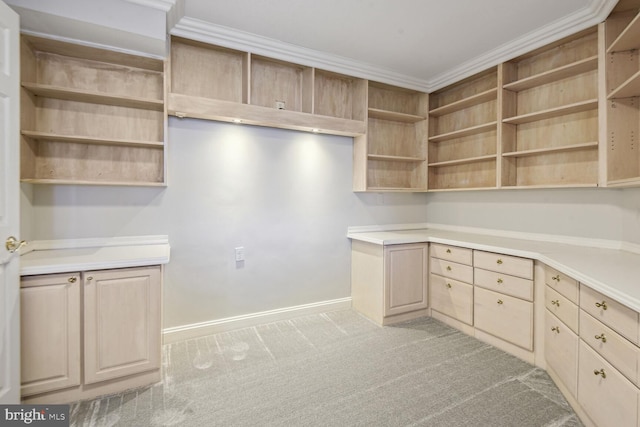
50, 332
620, 318
561, 283
451, 269
453, 298
503, 283
405, 278
452, 253
505, 317
561, 351
562, 307
122, 322
505, 264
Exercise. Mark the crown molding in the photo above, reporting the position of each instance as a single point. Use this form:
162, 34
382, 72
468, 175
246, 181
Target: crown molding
206, 32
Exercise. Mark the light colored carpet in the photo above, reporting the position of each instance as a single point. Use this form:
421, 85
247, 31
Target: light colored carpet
337, 369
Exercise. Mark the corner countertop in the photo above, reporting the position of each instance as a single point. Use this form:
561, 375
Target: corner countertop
63, 256
602, 265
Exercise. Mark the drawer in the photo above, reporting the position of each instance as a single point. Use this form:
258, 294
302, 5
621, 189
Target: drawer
561, 351
452, 253
503, 283
610, 401
514, 266
505, 317
452, 270
561, 283
613, 314
564, 309
618, 351
451, 297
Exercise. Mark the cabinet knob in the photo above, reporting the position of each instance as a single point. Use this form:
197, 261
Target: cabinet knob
499, 281
555, 302
72, 279
556, 278
90, 278
555, 329
449, 285
499, 261
600, 372
448, 268
448, 251
601, 337
602, 305
13, 245
500, 301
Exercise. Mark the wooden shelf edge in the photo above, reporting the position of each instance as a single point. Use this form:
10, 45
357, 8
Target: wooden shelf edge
551, 150
533, 187
185, 106
476, 99
91, 140
627, 182
439, 190
584, 65
386, 158
85, 182
628, 89
628, 39
464, 161
376, 113
396, 189
486, 127
77, 95
553, 112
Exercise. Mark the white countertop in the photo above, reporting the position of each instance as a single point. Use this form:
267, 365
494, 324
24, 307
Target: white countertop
613, 272
64, 256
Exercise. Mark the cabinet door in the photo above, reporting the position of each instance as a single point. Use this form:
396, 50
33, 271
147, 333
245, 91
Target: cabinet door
405, 278
50, 332
561, 351
505, 317
122, 322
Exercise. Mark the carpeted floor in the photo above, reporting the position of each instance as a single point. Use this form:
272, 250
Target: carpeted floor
337, 369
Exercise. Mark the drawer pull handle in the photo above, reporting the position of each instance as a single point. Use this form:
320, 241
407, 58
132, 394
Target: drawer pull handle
449, 285
499, 281
72, 279
499, 261
556, 329
448, 251
90, 278
448, 268
556, 278
602, 304
601, 337
600, 372
555, 302
500, 301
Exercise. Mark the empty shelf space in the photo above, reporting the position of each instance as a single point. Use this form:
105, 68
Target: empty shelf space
540, 151
553, 112
387, 158
629, 39
630, 88
463, 161
476, 99
93, 183
578, 67
473, 130
376, 113
46, 136
69, 94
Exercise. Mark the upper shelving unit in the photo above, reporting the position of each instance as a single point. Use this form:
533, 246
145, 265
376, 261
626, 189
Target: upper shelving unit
91, 116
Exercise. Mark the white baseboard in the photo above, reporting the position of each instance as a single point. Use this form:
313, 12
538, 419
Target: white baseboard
195, 330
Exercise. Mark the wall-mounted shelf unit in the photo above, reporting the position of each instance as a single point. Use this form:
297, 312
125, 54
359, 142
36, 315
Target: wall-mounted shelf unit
392, 155
549, 125
622, 46
463, 134
91, 116
215, 83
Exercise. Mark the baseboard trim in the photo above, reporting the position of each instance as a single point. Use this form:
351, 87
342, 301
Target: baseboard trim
195, 330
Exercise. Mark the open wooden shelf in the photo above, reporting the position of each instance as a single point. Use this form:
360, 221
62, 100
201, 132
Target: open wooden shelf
376, 113
100, 183
470, 101
395, 158
629, 39
553, 112
464, 161
628, 89
551, 149
46, 136
473, 130
578, 67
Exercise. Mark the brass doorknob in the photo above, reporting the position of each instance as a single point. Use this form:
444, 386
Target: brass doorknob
13, 245
600, 372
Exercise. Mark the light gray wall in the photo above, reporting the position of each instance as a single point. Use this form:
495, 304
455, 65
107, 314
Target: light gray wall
285, 196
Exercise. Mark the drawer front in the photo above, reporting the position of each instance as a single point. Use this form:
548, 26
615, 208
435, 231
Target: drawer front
613, 314
561, 351
562, 307
514, 266
561, 283
452, 253
451, 297
618, 351
611, 401
452, 270
503, 283
505, 317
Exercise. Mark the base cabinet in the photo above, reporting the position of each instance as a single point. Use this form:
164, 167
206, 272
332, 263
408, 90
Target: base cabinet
115, 314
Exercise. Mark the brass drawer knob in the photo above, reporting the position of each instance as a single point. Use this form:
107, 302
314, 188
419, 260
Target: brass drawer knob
448, 251
499, 261
73, 279
556, 329
499, 281
500, 301
449, 285
601, 337
556, 278
602, 305
448, 268
600, 372
555, 302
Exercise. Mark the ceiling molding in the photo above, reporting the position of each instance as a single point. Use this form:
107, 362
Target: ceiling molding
206, 32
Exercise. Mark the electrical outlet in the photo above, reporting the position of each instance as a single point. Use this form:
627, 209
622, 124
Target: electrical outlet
240, 253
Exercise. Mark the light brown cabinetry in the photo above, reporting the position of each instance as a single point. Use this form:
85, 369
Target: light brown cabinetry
561, 352
90, 116
389, 283
117, 317
451, 283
